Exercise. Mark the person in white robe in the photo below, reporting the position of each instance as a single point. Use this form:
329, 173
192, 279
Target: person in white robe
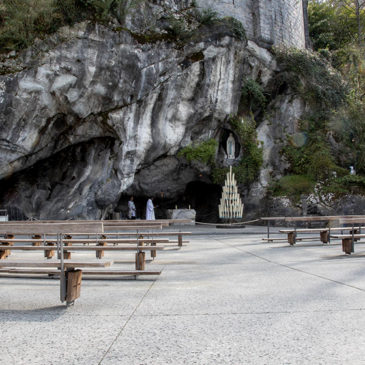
131, 209
150, 210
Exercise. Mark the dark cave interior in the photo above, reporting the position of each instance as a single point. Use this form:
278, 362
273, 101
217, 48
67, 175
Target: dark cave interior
201, 196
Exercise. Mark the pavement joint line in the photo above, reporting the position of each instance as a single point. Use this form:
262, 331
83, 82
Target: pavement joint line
14, 312
128, 320
252, 313
290, 267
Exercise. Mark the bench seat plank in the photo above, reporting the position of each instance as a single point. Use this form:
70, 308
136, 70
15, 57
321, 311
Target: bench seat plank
67, 263
85, 240
356, 235
303, 230
133, 233
36, 228
84, 272
85, 248
312, 230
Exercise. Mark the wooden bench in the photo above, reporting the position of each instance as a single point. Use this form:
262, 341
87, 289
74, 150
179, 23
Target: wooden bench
50, 237
105, 272
357, 219
324, 233
142, 236
348, 241
70, 279
38, 229
140, 260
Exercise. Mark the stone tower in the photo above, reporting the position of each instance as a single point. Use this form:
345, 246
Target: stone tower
267, 22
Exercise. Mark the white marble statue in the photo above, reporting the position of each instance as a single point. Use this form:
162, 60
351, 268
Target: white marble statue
150, 210
352, 170
231, 147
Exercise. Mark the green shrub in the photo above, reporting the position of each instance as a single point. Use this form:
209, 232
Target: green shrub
349, 184
203, 152
101, 8
69, 10
312, 77
23, 21
252, 97
237, 27
293, 186
249, 166
252, 157
206, 16
314, 158
178, 28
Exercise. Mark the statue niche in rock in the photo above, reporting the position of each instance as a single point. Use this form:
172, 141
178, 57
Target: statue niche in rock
231, 147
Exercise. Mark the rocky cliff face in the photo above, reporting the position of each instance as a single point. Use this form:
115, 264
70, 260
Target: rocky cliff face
94, 112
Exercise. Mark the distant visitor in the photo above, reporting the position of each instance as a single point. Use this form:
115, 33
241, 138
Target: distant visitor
131, 209
150, 210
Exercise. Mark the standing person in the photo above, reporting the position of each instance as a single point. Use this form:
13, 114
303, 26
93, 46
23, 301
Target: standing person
150, 210
131, 209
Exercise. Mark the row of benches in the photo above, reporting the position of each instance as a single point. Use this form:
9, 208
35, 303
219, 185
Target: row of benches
80, 237
325, 234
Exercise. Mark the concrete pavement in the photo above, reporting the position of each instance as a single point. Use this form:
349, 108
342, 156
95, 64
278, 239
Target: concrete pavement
225, 298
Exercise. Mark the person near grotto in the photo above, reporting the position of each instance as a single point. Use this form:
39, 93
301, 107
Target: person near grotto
150, 210
131, 209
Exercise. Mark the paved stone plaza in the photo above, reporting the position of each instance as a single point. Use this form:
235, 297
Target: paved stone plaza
224, 299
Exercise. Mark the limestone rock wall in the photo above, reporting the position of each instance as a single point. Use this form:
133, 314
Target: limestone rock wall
146, 100
267, 22
94, 113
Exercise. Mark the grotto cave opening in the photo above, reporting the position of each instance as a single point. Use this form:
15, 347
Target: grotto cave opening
204, 198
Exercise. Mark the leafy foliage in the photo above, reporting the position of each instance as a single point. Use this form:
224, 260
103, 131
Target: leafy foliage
22, 21
249, 166
330, 27
253, 96
313, 159
203, 152
237, 27
206, 16
312, 77
293, 186
348, 127
349, 184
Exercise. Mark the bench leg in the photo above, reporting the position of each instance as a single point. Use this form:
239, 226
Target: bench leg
67, 254
49, 253
153, 252
180, 240
36, 236
347, 245
140, 260
356, 231
100, 253
324, 235
292, 237
73, 285
5, 253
